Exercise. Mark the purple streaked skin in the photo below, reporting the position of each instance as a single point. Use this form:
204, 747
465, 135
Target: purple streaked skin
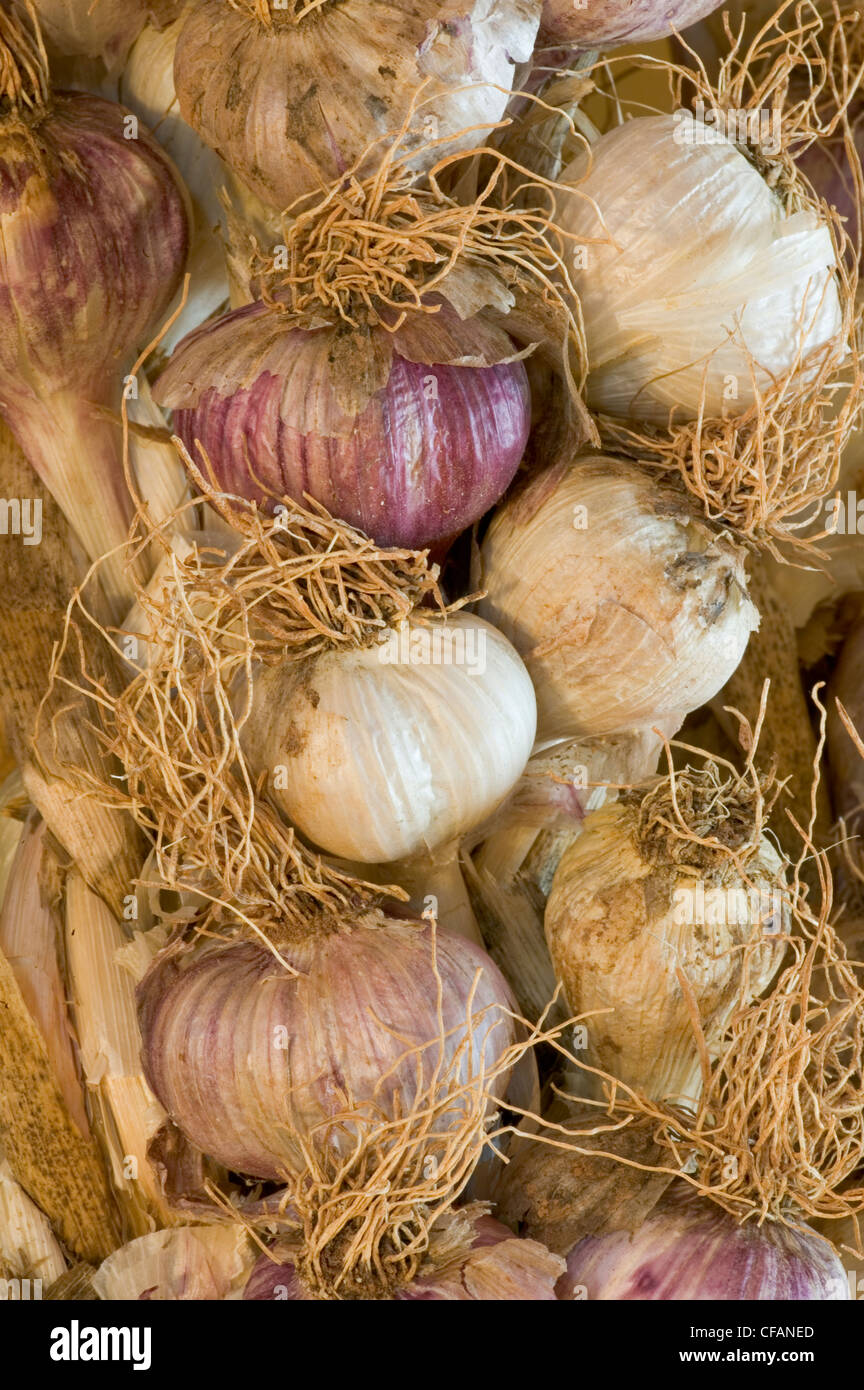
94, 234
239, 1052
605, 23
88, 268
690, 1248
427, 456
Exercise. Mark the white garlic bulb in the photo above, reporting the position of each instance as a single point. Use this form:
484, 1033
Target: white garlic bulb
692, 272
390, 751
627, 609
622, 922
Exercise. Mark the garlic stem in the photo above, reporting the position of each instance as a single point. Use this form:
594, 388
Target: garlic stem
76, 449
510, 915
104, 844
103, 994
437, 889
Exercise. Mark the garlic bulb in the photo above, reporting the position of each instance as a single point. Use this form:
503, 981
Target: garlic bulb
696, 284
607, 23
494, 1266
412, 448
259, 1066
624, 922
628, 610
384, 752
689, 1249
93, 243
288, 134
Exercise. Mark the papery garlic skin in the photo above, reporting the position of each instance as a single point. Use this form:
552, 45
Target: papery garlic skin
28, 1245
103, 30
696, 283
249, 1059
29, 941
389, 751
190, 1263
434, 444
627, 609
498, 1266
619, 929
605, 23
288, 134
688, 1248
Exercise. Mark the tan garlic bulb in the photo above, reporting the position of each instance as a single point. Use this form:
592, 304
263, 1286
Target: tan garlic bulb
628, 610
327, 82
635, 932
386, 752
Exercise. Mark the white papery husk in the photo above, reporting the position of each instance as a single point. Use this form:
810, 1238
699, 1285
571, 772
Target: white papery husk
699, 291
28, 1247
636, 943
628, 610
201, 1263
384, 752
160, 478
